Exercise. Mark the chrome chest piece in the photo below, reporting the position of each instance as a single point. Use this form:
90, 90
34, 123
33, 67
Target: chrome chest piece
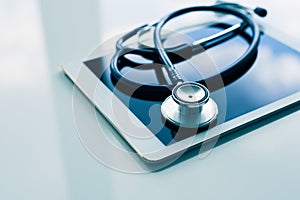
189, 106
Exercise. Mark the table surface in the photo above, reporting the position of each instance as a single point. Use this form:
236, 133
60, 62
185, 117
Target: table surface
40, 151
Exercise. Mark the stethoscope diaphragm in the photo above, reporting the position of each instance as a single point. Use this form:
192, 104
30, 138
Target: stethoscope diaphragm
189, 106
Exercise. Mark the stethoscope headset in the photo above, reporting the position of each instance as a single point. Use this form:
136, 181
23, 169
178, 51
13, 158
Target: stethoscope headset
189, 104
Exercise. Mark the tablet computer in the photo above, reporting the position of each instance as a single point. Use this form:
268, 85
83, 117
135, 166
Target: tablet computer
271, 85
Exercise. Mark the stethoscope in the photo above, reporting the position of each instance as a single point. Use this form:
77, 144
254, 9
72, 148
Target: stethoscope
189, 105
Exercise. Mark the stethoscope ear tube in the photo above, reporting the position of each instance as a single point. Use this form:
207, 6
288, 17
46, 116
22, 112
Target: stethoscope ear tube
252, 49
158, 92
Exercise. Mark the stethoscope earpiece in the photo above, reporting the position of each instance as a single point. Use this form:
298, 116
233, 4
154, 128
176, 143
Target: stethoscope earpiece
262, 12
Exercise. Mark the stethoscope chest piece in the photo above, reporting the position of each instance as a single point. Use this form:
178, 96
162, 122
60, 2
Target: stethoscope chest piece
189, 106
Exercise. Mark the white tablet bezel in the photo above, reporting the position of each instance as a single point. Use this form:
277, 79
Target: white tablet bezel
140, 138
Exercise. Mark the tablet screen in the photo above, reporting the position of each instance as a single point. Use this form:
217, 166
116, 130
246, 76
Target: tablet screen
273, 76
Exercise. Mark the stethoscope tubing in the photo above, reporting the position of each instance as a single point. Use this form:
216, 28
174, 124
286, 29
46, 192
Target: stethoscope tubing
162, 56
174, 76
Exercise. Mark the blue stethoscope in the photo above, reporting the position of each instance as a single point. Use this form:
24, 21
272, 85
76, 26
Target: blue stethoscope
189, 104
